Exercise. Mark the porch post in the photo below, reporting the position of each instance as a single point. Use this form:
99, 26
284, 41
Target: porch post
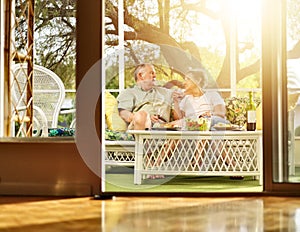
121, 44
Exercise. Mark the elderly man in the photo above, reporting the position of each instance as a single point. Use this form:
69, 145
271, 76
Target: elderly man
145, 103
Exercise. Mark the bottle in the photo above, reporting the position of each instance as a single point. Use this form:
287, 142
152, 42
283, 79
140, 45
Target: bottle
251, 114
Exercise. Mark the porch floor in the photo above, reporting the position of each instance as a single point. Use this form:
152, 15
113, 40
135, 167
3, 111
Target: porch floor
120, 179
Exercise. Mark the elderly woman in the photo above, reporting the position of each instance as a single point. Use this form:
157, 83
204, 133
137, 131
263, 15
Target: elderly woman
195, 102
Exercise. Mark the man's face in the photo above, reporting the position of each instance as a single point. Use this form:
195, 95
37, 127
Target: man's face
148, 77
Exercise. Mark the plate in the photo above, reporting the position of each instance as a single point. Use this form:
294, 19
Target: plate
239, 128
232, 128
222, 128
166, 128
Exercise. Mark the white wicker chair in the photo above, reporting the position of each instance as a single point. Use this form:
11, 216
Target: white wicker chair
48, 96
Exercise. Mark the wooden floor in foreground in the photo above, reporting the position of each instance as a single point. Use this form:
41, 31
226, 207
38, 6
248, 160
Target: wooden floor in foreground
149, 214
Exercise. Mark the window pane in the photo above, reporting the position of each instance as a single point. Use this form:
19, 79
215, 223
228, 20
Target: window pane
293, 89
42, 71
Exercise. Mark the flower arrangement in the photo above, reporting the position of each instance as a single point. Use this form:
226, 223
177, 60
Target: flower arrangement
116, 135
54, 132
236, 109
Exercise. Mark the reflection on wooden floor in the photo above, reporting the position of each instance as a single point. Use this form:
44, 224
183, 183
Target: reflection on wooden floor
149, 214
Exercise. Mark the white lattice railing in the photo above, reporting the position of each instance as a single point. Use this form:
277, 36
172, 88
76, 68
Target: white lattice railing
119, 153
221, 153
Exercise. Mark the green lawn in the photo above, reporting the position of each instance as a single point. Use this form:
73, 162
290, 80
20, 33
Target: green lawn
121, 180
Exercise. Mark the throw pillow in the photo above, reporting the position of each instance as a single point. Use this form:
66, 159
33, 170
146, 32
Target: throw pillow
113, 121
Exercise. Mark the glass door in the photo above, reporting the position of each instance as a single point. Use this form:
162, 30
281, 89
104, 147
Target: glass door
280, 66
223, 38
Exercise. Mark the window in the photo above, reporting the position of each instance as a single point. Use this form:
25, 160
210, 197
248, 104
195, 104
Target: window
42, 61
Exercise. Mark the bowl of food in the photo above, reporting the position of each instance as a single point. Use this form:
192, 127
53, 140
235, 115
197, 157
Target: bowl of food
165, 126
197, 124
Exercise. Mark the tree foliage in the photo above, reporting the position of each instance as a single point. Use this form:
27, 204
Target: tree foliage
165, 22
55, 31
148, 26
54, 36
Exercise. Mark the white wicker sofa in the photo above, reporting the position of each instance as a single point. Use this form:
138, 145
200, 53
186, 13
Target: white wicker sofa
120, 146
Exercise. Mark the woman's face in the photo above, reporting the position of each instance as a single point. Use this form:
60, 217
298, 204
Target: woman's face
189, 85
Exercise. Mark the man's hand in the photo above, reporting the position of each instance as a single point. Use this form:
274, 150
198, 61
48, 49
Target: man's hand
126, 115
157, 118
154, 118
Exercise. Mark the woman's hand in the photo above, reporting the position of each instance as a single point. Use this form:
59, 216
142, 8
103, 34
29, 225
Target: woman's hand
219, 110
177, 96
206, 114
172, 83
